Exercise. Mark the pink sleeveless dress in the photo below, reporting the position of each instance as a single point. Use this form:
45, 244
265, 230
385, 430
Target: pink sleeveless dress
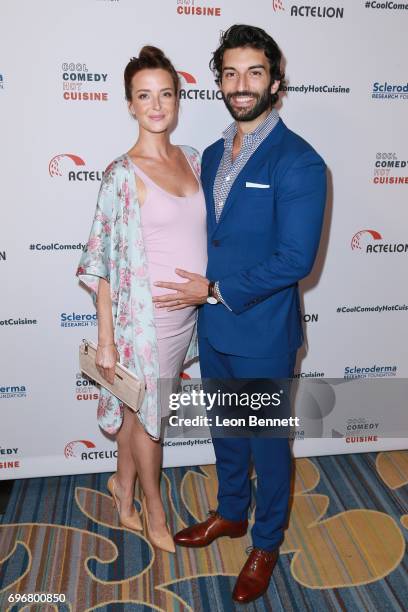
175, 236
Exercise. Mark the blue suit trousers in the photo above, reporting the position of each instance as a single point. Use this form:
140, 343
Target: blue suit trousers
271, 456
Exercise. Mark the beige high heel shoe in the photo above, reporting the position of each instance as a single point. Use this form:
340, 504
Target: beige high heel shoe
163, 542
131, 522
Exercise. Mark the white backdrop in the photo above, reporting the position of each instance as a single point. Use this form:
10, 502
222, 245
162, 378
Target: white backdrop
64, 118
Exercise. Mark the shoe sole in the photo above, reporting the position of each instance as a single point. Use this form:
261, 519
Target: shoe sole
246, 601
187, 545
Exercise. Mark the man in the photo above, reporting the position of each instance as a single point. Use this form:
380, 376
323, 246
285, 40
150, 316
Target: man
265, 190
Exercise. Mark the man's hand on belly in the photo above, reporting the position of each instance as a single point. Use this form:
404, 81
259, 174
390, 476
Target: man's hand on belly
191, 293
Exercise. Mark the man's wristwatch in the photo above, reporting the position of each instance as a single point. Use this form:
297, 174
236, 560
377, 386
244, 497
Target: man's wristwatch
211, 299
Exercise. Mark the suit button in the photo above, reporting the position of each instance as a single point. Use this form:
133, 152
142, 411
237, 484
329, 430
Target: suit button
216, 243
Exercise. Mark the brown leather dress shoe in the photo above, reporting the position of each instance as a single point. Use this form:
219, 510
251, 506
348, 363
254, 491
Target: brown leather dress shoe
255, 576
206, 532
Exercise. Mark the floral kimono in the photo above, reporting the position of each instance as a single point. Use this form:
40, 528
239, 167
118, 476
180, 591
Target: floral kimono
115, 252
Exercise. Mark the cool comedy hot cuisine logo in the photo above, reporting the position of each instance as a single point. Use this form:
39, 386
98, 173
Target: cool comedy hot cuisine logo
197, 8
82, 85
389, 169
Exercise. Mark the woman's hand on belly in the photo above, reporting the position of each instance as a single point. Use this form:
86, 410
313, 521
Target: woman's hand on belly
191, 293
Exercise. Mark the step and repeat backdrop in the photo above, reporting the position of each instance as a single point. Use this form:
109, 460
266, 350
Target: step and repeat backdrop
63, 118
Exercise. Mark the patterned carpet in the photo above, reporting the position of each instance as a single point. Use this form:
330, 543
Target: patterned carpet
344, 547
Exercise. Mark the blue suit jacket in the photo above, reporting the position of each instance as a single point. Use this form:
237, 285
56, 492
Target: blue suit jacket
265, 242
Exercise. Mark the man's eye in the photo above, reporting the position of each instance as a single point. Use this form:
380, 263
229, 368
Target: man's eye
256, 73
229, 74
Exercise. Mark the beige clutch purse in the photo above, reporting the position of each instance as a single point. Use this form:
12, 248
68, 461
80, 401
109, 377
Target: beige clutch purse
126, 387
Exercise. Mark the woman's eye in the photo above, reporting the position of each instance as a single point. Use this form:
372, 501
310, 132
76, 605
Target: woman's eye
168, 94
142, 96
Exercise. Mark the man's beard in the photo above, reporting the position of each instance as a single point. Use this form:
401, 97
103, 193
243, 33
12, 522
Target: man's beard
263, 103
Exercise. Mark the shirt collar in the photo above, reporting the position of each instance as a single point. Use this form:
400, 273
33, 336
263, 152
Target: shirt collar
258, 134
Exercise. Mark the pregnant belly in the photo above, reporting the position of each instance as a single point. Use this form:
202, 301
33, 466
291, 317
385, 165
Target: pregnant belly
171, 323
166, 272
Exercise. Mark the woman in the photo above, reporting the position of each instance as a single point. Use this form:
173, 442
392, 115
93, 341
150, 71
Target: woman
149, 220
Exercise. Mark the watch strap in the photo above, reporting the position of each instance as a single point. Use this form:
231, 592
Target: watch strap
211, 286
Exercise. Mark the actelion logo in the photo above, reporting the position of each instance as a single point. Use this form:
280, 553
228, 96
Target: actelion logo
311, 318
186, 77
368, 241
60, 166
310, 10
191, 91
54, 168
80, 450
277, 5
358, 240
72, 449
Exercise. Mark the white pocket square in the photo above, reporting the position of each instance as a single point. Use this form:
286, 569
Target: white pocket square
258, 185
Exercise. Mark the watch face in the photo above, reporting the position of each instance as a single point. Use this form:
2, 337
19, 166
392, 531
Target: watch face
212, 300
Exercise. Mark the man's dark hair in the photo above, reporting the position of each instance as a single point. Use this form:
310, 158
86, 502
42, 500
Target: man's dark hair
249, 36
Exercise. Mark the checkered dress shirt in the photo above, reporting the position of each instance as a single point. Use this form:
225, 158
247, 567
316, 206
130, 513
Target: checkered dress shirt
228, 170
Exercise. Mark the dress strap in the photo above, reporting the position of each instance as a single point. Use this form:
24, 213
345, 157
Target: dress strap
143, 175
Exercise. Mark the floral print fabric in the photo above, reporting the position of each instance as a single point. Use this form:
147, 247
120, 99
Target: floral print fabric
115, 252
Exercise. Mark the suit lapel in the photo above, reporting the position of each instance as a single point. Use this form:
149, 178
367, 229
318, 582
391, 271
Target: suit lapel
237, 188
208, 179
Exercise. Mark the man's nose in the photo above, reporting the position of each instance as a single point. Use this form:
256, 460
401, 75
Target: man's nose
242, 83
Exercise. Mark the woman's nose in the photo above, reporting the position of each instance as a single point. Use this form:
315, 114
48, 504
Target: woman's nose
156, 102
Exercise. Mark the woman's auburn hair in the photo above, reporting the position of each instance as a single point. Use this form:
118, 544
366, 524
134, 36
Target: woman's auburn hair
149, 57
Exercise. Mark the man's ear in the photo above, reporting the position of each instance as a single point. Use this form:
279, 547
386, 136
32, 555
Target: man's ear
275, 86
